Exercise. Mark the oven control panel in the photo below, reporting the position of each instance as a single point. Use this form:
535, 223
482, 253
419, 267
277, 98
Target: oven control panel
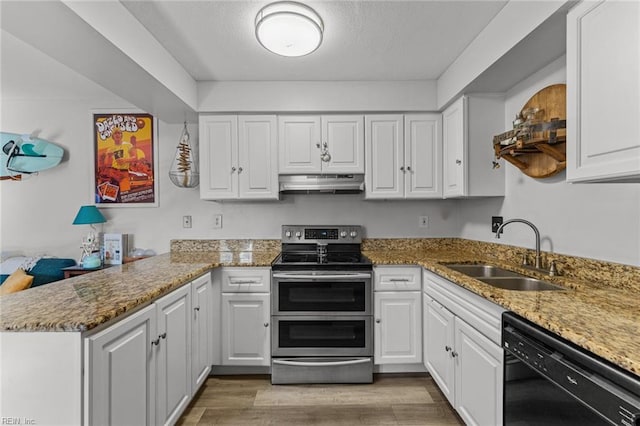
329, 234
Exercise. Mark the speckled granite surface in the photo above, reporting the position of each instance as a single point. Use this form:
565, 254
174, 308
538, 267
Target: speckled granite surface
599, 310
87, 301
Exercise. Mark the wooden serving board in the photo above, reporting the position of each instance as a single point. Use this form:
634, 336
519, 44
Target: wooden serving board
547, 159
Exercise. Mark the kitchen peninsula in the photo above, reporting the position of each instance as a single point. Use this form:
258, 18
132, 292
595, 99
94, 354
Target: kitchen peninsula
596, 311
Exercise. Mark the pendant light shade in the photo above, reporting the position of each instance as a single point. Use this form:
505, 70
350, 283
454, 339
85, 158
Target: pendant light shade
289, 28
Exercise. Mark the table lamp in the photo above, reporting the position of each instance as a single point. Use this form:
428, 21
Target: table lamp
88, 215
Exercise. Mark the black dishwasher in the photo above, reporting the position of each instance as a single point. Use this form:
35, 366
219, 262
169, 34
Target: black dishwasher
550, 381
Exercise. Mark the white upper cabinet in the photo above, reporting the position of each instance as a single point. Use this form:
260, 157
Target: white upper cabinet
403, 156
422, 156
468, 128
603, 92
218, 156
384, 140
238, 157
258, 159
304, 139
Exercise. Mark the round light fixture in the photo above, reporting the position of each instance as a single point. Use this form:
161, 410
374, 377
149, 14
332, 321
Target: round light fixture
289, 28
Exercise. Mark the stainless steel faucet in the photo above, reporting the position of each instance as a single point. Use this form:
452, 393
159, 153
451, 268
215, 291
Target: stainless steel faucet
526, 222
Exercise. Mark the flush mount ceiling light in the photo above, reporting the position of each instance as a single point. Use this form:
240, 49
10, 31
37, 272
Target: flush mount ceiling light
289, 28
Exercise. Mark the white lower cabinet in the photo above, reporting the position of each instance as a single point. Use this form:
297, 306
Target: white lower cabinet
122, 377
173, 367
463, 353
246, 316
141, 370
397, 337
398, 315
439, 323
202, 311
245, 329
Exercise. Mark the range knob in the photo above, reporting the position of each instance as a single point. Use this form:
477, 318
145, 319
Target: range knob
343, 234
287, 234
353, 234
298, 234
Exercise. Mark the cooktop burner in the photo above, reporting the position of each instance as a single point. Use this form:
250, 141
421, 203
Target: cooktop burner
321, 247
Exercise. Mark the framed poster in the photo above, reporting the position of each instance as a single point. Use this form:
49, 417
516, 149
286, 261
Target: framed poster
125, 163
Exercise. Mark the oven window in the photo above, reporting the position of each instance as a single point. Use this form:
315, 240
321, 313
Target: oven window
322, 296
322, 334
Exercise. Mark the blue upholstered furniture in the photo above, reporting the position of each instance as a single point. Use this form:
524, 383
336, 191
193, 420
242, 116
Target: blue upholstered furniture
47, 270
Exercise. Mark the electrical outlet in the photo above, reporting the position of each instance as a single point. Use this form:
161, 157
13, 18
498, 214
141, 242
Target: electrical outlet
423, 221
217, 221
496, 221
186, 221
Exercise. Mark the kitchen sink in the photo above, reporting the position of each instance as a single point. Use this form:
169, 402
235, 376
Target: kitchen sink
483, 271
521, 283
503, 278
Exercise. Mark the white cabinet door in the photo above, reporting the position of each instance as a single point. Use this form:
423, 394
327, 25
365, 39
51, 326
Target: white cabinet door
397, 333
344, 136
298, 144
454, 147
422, 156
173, 355
258, 157
478, 382
202, 330
441, 329
384, 153
122, 372
246, 329
425, 330
603, 91
468, 127
218, 149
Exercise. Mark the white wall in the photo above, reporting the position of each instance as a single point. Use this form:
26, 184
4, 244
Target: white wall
600, 221
597, 220
36, 214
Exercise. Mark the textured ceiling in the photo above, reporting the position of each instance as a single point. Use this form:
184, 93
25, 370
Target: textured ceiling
363, 40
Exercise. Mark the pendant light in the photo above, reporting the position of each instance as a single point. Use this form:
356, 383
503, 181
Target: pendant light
184, 170
289, 28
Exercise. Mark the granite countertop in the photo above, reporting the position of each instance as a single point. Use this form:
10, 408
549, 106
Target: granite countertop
84, 302
599, 310
604, 319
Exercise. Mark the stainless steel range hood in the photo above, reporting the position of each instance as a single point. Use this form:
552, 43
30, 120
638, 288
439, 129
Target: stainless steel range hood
333, 184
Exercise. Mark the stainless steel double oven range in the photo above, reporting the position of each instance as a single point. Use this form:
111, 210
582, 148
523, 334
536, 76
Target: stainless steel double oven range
321, 307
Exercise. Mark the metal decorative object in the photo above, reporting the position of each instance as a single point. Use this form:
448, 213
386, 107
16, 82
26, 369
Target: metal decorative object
184, 169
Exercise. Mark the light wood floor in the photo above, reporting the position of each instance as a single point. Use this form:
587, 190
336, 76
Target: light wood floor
252, 400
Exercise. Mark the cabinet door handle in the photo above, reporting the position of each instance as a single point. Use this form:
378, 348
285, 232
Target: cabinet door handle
454, 354
447, 348
244, 282
233, 169
408, 168
155, 342
266, 324
399, 280
197, 308
239, 170
163, 336
402, 168
458, 162
378, 320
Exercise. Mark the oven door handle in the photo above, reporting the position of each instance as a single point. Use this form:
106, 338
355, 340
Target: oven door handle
322, 276
321, 364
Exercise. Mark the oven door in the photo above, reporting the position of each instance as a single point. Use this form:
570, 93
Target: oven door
321, 335
321, 293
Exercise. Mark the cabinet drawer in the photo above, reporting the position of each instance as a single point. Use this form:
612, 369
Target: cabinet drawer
246, 280
397, 278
